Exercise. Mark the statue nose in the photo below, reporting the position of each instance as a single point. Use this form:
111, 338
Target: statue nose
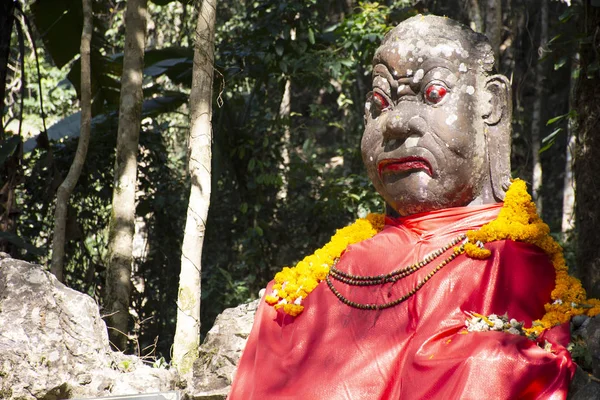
401, 125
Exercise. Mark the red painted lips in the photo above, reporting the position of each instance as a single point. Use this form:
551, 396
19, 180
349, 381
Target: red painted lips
404, 164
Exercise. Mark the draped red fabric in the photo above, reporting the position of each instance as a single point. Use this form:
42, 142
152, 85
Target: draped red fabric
418, 349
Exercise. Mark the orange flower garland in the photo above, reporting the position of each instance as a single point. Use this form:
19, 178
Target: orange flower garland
517, 220
292, 285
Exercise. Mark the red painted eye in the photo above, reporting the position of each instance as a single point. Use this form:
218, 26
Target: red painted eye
380, 101
435, 93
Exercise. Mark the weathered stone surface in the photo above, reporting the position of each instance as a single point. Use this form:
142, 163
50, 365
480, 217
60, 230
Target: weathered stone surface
221, 351
53, 343
583, 387
592, 338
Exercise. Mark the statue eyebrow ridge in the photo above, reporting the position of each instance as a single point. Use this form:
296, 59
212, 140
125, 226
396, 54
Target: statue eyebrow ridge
384, 71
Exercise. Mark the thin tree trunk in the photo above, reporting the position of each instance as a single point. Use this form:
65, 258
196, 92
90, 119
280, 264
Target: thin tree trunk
587, 163
475, 16
285, 108
493, 25
568, 214
122, 219
507, 60
284, 115
536, 119
6, 24
487, 20
66, 188
8, 171
187, 331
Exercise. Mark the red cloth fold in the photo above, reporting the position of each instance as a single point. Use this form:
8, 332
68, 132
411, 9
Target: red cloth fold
418, 349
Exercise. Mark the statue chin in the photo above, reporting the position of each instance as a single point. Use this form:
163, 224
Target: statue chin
417, 192
415, 206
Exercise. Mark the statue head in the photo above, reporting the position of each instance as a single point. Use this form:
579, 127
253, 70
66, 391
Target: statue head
437, 122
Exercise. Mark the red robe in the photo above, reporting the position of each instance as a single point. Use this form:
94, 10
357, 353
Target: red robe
417, 349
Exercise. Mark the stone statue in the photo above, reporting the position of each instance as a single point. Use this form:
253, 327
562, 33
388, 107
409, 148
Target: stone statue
394, 313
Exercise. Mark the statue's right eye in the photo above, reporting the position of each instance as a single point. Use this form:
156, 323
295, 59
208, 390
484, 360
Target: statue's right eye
435, 92
380, 101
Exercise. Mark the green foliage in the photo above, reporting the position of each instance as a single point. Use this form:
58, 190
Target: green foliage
161, 183
160, 363
550, 139
161, 204
267, 212
580, 353
61, 22
360, 33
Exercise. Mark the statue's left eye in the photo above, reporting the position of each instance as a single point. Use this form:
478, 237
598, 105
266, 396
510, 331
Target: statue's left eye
434, 93
380, 101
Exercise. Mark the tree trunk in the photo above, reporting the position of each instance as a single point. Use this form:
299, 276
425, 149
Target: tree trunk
122, 219
536, 119
493, 25
568, 209
568, 214
6, 24
486, 18
475, 16
587, 163
284, 117
66, 188
187, 331
285, 108
8, 172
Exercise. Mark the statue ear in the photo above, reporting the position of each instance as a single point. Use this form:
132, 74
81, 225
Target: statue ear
500, 102
497, 132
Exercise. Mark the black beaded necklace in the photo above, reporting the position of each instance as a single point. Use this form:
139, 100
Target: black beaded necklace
392, 277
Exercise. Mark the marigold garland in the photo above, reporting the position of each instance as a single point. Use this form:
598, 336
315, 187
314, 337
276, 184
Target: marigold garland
517, 220
292, 285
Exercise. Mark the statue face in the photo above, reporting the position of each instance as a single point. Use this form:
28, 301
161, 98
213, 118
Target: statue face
424, 145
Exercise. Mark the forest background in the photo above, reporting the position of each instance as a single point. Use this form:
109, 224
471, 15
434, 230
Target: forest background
290, 79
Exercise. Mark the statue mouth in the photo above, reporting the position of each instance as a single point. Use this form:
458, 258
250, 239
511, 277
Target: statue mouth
404, 164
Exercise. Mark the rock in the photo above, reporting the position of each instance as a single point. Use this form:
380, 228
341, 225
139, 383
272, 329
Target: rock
583, 387
54, 345
589, 332
221, 351
592, 339
579, 321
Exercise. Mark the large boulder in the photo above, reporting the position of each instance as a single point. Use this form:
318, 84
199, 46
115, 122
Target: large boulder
221, 352
585, 336
584, 386
54, 344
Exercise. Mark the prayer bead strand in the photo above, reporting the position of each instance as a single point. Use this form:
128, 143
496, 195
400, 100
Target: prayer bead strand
371, 306
394, 276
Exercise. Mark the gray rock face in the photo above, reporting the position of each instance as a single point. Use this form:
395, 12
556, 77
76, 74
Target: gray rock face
584, 387
221, 352
593, 343
53, 343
